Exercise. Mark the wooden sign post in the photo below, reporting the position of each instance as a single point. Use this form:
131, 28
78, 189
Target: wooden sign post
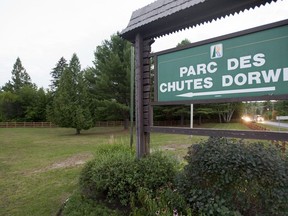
163, 17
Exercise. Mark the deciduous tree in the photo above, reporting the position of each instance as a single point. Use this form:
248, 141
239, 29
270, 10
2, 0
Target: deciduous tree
9, 106
226, 110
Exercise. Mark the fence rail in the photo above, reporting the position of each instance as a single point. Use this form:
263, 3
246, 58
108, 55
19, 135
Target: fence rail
27, 125
51, 125
97, 124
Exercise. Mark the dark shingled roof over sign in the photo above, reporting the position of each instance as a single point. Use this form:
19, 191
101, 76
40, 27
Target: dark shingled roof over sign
166, 16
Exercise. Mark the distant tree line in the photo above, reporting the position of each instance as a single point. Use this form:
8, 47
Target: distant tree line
78, 97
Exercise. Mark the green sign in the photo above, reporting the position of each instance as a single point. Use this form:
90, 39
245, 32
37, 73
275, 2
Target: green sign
251, 65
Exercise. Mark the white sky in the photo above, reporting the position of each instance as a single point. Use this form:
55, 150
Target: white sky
40, 32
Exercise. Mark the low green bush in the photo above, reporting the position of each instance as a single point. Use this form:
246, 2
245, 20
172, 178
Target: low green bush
78, 205
156, 170
166, 201
230, 177
117, 177
107, 156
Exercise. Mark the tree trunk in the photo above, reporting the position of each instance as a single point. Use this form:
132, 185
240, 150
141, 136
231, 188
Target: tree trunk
227, 116
78, 131
224, 115
182, 120
126, 123
230, 115
220, 120
200, 120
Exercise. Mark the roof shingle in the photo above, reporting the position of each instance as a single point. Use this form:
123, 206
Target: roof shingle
166, 16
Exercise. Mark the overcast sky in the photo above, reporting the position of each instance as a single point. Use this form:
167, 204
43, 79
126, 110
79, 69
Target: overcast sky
40, 32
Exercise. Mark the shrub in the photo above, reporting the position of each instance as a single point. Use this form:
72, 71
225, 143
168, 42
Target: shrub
105, 154
118, 177
230, 177
78, 205
165, 202
156, 170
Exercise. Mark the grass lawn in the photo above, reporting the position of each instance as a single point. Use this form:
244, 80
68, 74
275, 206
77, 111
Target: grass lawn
273, 128
39, 168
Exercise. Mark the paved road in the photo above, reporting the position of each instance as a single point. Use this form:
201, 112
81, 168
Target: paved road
276, 124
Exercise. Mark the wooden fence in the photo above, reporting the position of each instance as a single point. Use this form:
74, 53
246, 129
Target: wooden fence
51, 125
27, 125
97, 124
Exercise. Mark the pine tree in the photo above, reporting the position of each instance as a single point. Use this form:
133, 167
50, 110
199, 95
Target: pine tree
24, 96
110, 84
57, 72
71, 101
20, 78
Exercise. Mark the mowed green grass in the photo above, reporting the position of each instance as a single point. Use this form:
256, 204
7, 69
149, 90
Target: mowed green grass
39, 168
31, 183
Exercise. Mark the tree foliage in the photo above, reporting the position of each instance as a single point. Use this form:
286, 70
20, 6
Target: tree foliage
108, 86
9, 106
27, 104
57, 72
203, 110
225, 111
19, 78
109, 79
70, 106
20, 100
35, 110
282, 108
230, 177
184, 42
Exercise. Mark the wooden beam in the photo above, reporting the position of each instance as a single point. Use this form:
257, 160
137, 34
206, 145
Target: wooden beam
139, 96
261, 135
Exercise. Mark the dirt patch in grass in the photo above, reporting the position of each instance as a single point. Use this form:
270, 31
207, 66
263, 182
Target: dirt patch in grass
174, 147
75, 160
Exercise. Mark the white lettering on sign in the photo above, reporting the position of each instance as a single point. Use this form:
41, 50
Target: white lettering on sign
285, 74
256, 77
258, 60
208, 82
227, 80
200, 69
191, 84
271, 76
238, 78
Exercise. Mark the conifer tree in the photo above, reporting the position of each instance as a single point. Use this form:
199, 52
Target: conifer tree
110, 84
57, 72
71, 101
19, 78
